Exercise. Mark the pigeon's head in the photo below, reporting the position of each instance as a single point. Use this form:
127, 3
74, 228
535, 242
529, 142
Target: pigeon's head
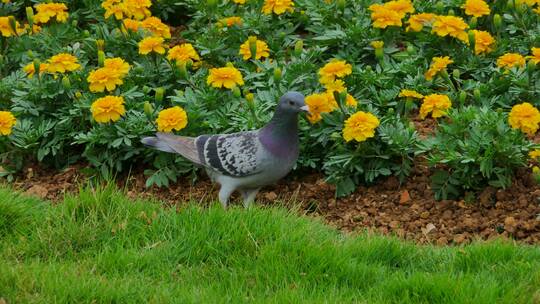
293, 102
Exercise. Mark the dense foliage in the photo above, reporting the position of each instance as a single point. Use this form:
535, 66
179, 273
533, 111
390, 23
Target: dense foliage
86, 79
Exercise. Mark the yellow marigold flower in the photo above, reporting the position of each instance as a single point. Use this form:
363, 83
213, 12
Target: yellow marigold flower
104, 78
262, 49
336, 85
6, 1
7, 121
525, 117
351, 101
377, 44
30, 69
114, 8
360, 126
438, 64
418, 21
5, 27
138, 9
334, 69
230, 21
383, 17
156, 27
534, 154
510, 60
174, 118
535, 55
131, 25
278, 7
410, 94
451, 26
436, 104
476, 8
318, 104
239, 1
402, 7
46, 11
151, 44
483, 42
108, 108
227, 77
183, 53
62, 63
117, 64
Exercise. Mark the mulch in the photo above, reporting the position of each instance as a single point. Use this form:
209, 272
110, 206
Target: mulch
408, 211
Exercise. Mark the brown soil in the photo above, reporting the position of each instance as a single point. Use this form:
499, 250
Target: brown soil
408, 211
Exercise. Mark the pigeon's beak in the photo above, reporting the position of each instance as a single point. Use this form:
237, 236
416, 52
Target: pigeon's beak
305, 109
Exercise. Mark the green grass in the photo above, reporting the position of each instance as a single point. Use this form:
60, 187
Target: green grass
101, 246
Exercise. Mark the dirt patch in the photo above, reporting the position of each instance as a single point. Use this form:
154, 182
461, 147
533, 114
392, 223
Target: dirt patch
407, 211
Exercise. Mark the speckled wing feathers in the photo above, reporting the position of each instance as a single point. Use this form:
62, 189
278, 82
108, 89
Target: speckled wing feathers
232, 154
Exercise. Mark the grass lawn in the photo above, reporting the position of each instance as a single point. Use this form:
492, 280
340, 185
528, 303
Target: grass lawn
102, 247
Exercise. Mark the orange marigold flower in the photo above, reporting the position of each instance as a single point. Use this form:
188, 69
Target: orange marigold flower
383, 17
451, 26
156, 27
476, 8
108, 108
334, 69
483, 42
117, 64
227, 77
46, 11
151, 44
7, 121
278, 7
410, 94
262, 49
535, 57
230, 21
510, 60
438, 64
418, 21
138, 9
436, 104
183, 53
525, 117
170, 119
360, 126
30, 69
62, 63
318, 104
131, 25
402, 7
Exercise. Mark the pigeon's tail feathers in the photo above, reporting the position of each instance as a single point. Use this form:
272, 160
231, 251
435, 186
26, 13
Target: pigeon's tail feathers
155, 143
182, 145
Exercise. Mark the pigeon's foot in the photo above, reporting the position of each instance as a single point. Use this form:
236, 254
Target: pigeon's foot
249, 196
224, 194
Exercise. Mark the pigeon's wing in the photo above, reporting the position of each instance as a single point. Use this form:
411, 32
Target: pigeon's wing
230, 154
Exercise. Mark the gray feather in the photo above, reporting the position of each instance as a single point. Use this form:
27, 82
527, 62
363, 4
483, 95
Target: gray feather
155, 143
182, 145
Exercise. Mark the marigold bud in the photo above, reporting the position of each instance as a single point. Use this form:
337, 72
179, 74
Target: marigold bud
253, 46
66, 83
462, 97
13, 24
236, 92
100, 43
86, 33
456, 74
379, 53
211, 3
440, 6
531, 66
30, 54
30, 16
473, 23
277, 74
510, 4
298, 48
451, 12
472, 40
182, 68
341, 4
78, 94
148, 108
497, 22
146, 89
250, 97
476, 94
160, 92
410, 49
230, 64
101, 58
37, 66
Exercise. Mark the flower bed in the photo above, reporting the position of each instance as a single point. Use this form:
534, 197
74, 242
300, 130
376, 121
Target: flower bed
85, 80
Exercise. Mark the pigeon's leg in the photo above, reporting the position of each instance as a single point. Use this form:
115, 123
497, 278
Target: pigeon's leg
224, 194
249, 196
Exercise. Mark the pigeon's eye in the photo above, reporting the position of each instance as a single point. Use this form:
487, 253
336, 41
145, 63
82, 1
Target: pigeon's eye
291, 103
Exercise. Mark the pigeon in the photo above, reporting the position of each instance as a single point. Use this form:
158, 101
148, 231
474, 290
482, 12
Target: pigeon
244, 161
